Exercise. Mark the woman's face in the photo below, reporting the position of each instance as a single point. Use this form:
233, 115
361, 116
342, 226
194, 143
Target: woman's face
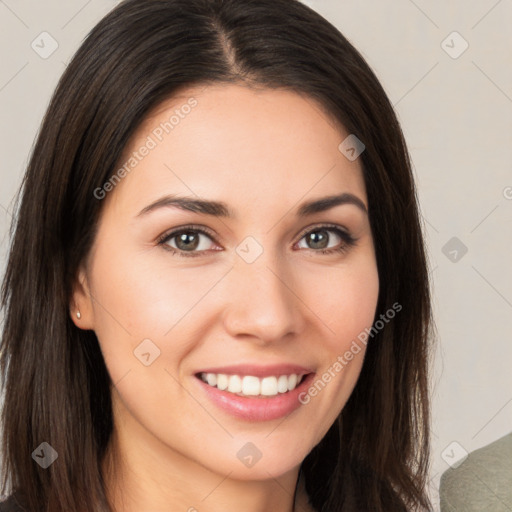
243, 294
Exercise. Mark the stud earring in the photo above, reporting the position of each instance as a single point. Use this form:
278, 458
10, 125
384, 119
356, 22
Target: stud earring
78, 314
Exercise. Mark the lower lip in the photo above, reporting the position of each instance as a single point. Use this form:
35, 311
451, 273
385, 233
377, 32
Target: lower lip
257, 409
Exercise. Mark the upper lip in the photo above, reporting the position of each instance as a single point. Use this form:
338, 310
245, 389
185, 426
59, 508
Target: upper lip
258, 370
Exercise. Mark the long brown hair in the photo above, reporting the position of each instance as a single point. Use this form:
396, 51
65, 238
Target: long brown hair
55, 383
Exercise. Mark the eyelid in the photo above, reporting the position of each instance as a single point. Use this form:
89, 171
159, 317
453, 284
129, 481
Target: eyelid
324, 225
162, 239
187, 227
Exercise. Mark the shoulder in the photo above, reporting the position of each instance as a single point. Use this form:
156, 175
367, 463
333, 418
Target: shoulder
481, 481
10, 504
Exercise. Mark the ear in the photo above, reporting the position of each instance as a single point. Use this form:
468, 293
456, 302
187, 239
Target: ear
81, 301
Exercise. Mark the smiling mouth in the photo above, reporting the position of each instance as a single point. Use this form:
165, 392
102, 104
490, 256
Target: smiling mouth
251, 386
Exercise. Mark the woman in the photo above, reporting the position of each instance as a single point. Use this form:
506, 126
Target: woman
217, 293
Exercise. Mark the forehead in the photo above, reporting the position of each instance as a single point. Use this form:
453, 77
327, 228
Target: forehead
237, 144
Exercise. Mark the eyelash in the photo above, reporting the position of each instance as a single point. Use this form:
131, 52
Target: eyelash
348, 240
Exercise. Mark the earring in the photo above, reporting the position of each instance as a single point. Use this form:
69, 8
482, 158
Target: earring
78, 314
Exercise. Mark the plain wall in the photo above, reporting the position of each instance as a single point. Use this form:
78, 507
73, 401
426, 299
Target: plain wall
456, 113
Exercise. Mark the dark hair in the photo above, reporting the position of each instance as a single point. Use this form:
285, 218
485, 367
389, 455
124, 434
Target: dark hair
57, 387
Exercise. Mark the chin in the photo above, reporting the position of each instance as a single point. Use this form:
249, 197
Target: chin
259, 458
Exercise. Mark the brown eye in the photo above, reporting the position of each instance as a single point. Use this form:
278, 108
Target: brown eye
327, 239
187, 241
319, 239
193, 241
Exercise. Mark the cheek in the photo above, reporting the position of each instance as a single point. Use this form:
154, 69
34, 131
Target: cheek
147, 297
345, 300
139, 296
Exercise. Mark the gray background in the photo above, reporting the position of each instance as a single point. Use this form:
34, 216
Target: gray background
455, 107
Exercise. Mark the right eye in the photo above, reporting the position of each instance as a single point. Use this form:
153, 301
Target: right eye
188, 239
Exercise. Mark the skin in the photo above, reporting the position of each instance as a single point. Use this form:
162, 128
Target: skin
262, 152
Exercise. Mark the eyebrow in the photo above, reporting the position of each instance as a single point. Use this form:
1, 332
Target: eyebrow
221, 209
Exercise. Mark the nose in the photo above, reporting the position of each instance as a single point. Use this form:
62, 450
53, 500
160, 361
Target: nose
262, 304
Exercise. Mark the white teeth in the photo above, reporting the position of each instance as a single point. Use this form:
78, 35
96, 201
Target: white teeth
222, 381
249, 385
235, 384
269, 386
282, 384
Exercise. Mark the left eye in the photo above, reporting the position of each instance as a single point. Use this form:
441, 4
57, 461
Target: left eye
319, 237
192, 241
